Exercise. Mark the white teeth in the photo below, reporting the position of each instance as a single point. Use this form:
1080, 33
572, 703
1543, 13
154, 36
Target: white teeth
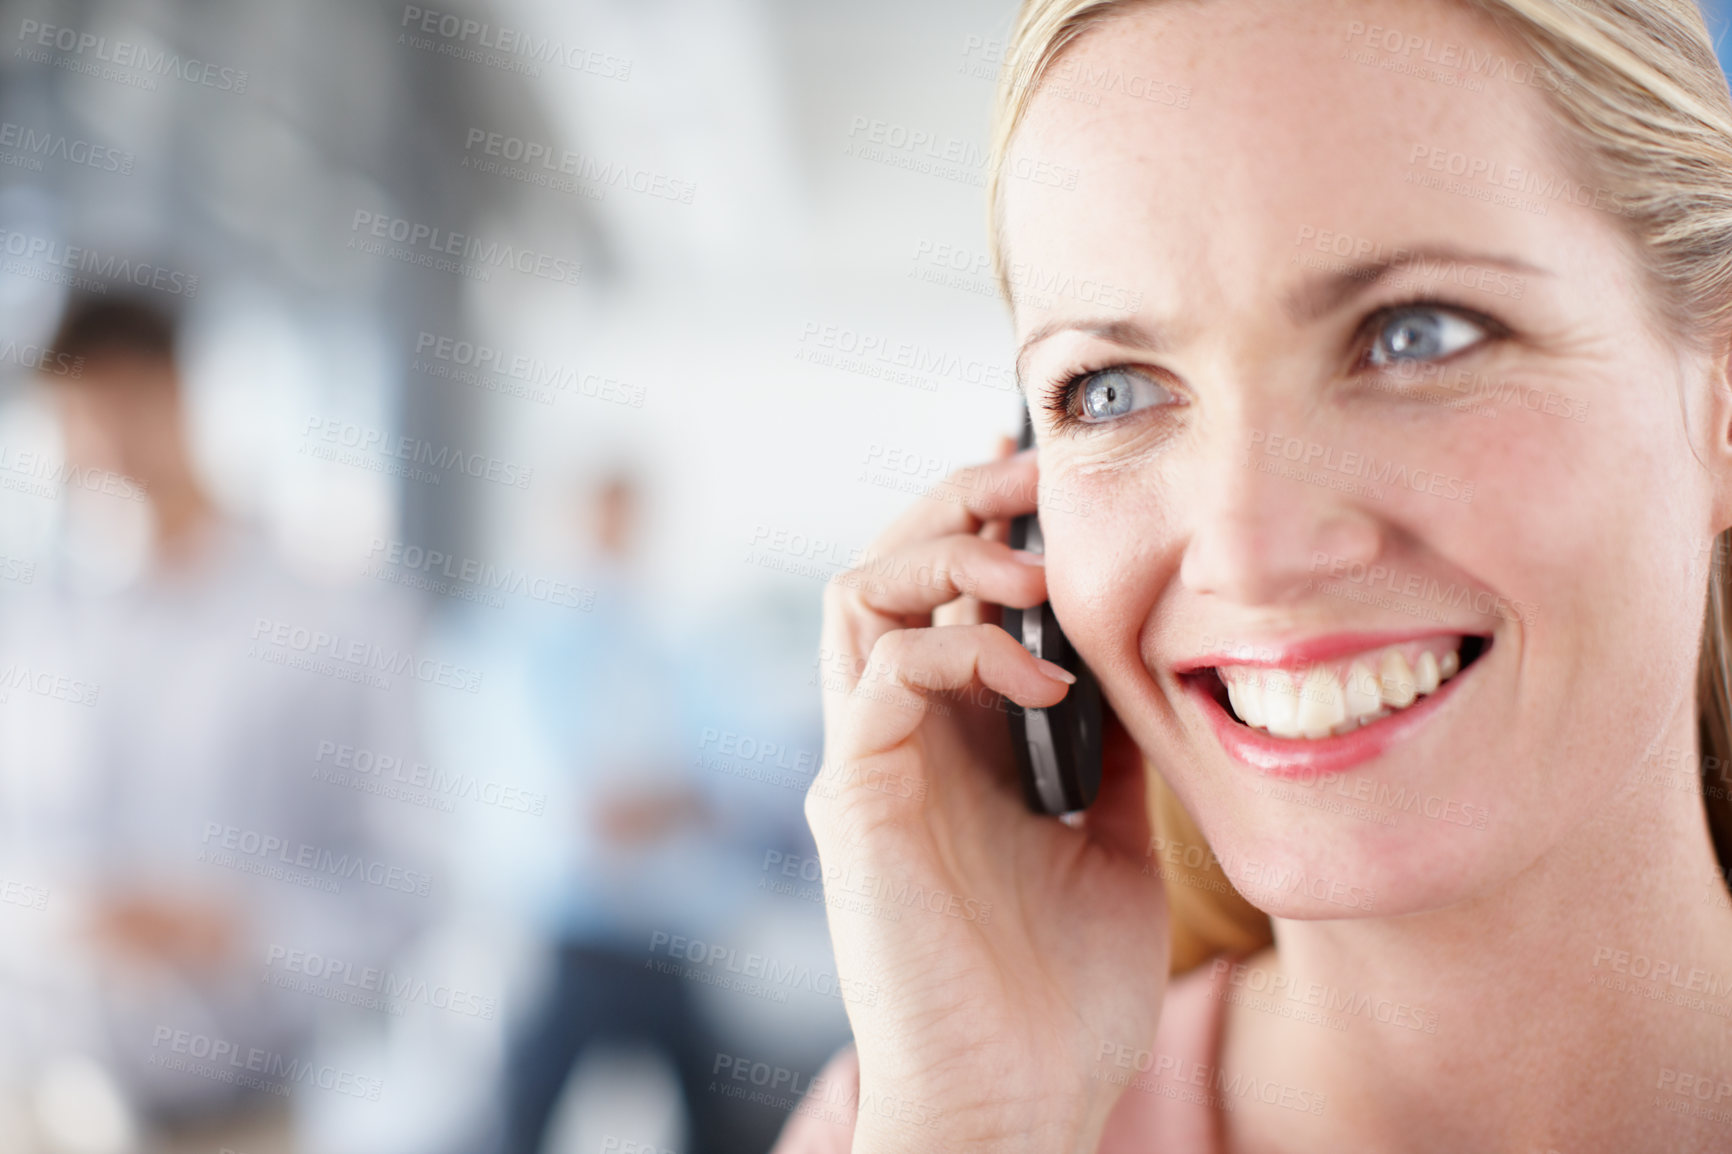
1426, 673
1353, 723
1396, 679
1280, 704
1362, 695
1237, 695
1254, 713
1320, 703
1327, 700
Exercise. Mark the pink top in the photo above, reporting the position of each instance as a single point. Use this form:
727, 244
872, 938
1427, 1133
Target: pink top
1168, 1106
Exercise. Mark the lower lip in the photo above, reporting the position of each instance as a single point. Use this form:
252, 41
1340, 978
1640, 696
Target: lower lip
1288, 758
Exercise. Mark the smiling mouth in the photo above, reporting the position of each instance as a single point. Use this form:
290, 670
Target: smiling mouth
1331, 698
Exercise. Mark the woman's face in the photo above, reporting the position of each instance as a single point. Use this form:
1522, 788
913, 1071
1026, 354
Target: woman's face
1343, 378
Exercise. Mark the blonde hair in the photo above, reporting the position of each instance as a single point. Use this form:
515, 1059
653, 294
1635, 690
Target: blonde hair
1647, 115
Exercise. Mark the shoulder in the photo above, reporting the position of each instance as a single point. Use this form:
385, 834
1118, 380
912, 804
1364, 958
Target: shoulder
1168, 1104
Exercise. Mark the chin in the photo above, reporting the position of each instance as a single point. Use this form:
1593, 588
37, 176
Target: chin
1362, 871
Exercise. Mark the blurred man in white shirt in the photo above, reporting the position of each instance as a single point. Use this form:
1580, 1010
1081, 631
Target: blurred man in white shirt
171, 808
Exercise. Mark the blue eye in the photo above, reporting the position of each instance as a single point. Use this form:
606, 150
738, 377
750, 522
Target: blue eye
1413, 335
1114, 393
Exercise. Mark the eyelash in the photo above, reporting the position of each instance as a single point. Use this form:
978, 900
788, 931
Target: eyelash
1062, 395
1368, 328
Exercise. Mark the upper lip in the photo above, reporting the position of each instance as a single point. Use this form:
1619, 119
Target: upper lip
1299, 653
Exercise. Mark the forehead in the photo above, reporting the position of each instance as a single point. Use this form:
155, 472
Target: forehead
1223, 138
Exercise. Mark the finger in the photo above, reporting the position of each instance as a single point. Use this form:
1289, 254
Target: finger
965, 502
967, 499
910, 668
823, 1122
969, 610
962, 611
1119, 817
902, 590
974, 610
925, 575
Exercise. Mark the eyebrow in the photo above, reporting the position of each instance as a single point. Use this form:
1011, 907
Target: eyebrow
1130, 334
1316, 297
1321, 295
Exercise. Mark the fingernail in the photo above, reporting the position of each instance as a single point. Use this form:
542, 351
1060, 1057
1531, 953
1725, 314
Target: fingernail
1028, 558
1056, 672
1028, 452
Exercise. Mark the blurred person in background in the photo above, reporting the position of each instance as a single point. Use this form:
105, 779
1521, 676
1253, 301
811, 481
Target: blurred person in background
642, 844
146, 801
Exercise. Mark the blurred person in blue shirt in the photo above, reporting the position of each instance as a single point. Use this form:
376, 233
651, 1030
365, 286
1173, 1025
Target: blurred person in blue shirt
640, 850
610, 715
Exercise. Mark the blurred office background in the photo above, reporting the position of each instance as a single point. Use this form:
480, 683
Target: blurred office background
406, 670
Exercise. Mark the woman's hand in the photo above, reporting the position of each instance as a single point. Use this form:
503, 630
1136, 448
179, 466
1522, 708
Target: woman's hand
988, 956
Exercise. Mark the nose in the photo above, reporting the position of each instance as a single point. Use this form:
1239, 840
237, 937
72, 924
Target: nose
1268, 515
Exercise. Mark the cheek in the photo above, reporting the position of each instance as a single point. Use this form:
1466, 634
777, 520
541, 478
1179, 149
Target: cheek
1601, 523
1586, 523
1111, 555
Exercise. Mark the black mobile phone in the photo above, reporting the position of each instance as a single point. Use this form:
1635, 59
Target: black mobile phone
1058, 750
